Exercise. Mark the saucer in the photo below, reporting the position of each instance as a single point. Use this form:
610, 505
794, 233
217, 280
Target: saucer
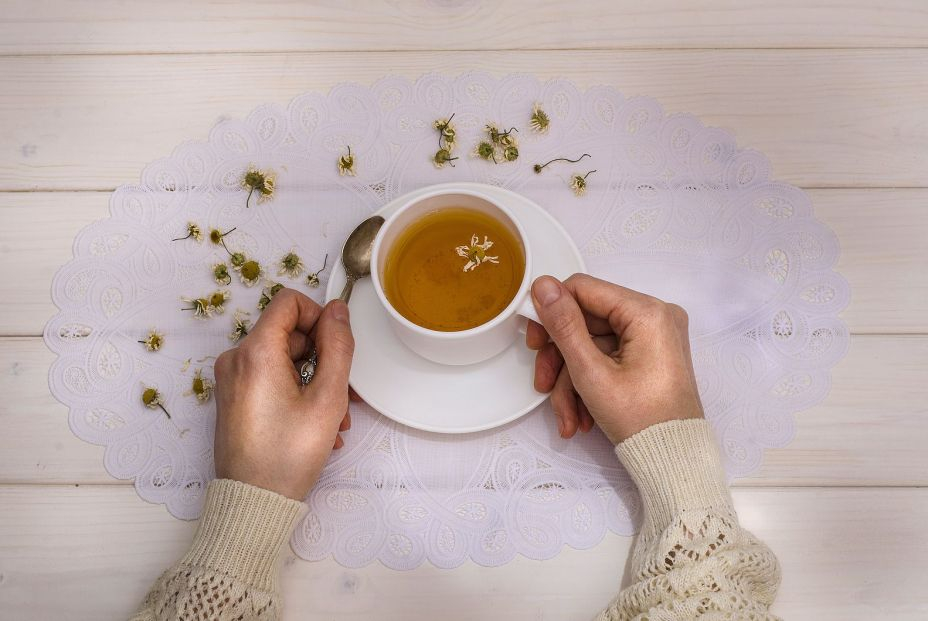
440, 398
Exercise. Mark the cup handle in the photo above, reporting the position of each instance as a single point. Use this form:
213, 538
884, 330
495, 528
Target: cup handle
527, 309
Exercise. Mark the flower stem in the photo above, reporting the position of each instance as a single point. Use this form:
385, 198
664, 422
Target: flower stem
247, 200
540, 167
182, 238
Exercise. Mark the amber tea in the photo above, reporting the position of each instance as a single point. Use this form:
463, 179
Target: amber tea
453, 269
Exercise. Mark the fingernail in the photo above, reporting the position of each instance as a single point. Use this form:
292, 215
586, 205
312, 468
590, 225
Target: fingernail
340, 311
547, 290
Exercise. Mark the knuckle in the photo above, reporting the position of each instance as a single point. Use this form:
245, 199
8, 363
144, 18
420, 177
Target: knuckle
223, 364
679, 314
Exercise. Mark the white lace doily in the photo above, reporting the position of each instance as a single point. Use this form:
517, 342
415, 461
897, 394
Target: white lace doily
675, 209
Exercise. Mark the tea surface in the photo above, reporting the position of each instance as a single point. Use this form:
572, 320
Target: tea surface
425, 280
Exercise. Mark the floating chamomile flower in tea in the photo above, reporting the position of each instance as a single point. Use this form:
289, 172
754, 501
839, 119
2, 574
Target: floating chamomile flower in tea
221, 274
539, 121
578, 183
200, 306
291, 265
201, 387
267, 295
250, 272
313, 279
442, 157
260, 181
217, 301
476, 253
346, 164
240, 326
539, 167
193, 230
153, 341
152, 399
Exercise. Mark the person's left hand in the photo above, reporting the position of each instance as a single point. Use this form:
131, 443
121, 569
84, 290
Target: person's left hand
272, 432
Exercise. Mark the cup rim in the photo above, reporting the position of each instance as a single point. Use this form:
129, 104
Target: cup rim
500, 317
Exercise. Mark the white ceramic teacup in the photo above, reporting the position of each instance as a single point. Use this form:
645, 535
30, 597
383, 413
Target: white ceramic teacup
465, 346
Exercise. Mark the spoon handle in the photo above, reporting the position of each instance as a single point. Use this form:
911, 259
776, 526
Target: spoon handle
346, 292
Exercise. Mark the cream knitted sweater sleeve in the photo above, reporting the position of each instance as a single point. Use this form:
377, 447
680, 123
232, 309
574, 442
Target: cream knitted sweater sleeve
230, 571
692, 559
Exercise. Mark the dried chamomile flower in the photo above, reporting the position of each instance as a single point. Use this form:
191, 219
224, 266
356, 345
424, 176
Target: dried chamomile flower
250, 272
152, 399
201, 387
507, 139
221, 274
501, 138
485, 151
200, 306
260, 181
442, 157
493, 132
446, 137
291, 265
476, 253
313, 279
237, 259
346, 164
216, 236
268, 294
578, 183
153, 341
539, 121
539, 167
217, 301
240, 326
193, 230
446, 132
501, 143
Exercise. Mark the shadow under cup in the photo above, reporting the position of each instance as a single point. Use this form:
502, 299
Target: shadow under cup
464, 346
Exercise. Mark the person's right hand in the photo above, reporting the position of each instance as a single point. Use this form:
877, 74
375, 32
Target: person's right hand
627, 355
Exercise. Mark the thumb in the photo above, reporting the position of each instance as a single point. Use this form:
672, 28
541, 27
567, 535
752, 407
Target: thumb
334, 348
563, 320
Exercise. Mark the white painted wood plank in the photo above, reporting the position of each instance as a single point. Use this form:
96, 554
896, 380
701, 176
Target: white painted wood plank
108, 26
882, 234
92, 552
826, 118
871, 430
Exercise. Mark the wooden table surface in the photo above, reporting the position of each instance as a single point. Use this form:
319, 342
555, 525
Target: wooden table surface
834, 92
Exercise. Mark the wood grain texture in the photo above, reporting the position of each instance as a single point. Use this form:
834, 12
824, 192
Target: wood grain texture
825, 118
92, 552
882, 235
111, 26
869, 431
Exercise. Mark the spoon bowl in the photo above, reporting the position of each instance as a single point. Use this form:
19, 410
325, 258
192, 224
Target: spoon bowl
356, 255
